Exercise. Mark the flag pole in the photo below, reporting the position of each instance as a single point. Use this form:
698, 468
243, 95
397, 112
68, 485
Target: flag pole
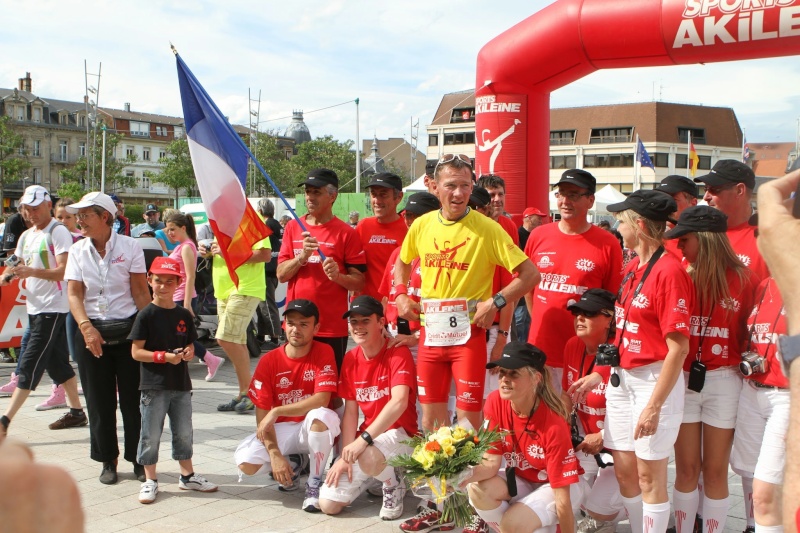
689, 154
637, 165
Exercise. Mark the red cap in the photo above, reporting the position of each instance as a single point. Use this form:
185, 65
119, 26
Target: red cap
533, 211
165, 265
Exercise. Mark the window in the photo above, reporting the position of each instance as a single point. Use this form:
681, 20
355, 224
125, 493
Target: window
467, 137
608, 160
661, 159
82, 120
140, 129
610, 135
82, 148
62, 151
162, 154
130, 151
704, 162
146, 154
562, 137
179, 132
20, 112
37, 148
63, 119
463, 115
21, 149
562, 161
37, 176
698, 135
433, 140
37, 114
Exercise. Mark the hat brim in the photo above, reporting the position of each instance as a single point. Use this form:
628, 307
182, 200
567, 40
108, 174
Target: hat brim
510, 363
714, 180
589, 307
678, 231
74, 208
163, 271
303, 313
618, 207
384, 185
32, 203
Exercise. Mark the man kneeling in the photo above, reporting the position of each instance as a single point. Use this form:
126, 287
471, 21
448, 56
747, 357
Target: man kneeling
381, 381
291, 389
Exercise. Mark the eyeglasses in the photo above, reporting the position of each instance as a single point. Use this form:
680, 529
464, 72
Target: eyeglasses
572, 196
82, 216
449, 158
588, 314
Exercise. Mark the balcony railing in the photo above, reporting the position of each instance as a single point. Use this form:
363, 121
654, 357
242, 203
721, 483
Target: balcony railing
66, 159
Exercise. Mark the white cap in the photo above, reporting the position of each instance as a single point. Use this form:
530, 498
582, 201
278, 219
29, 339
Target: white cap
92, 199
34, 195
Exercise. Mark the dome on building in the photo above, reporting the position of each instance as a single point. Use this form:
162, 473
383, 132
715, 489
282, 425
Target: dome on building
373, 163
298, 130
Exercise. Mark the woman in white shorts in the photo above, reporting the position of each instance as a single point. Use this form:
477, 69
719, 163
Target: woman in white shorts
594, 325
759, 446
540, 485
644, 405
724, 297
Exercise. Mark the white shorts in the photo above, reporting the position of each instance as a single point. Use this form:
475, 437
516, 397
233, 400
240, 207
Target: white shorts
292, 438
539, 498
718, 402
759, 444
624, 405
492, 381
390, 445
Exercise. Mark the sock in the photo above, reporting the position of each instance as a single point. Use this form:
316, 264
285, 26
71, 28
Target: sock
633, 506
186, 478
715, 512
769, 529
76, 412
493, 516
701, 494
388, 477
747, 492
319, 445
685, 508
655, 517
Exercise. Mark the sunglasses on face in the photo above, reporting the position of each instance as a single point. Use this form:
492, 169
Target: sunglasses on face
588, 314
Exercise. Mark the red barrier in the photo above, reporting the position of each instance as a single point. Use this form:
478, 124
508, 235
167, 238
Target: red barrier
13, 315
569, 39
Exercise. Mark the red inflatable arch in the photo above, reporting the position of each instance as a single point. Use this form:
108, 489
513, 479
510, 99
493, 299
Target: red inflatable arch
569, 39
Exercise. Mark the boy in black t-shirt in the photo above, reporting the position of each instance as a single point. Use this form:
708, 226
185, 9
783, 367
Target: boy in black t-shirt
162, 338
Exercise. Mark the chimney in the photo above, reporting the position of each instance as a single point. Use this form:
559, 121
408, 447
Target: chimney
128, 107
25, 83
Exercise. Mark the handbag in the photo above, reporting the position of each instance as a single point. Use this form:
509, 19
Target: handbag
114, 331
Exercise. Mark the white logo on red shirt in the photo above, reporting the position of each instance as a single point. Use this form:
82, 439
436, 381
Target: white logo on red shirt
731, 304
327, 369
745, 259
371, 394
641, 302
586, 265
535, 451
308, 375
545, 262
257, 384
284, 383
381, 239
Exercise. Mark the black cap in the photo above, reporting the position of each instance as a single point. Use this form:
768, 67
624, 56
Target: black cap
386, 179
727, 172
364, 305
653, 205
320, 177
594, 301
420, 203
699, 218
430, 168
307, 308
480, 197
674, 184
518, 354
579, 178
150, 208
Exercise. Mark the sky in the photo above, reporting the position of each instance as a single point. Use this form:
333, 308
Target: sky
398, 58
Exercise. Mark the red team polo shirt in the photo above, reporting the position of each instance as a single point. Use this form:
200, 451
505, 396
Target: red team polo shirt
337, 240
370, 382
662, 306
387, 290
766, 322
379, 241
722, 336
592, 411
281, 380
743, 242
569, 265
510, 228
544, 451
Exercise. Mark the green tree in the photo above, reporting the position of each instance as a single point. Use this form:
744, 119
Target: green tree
115, 177
71, 190
329, 153
13, 158
272, 158
176, 168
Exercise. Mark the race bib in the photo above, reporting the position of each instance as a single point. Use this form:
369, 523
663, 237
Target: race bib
446, 322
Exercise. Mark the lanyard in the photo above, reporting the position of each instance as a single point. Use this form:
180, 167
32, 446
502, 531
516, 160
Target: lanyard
755, 321
622, 301
703, 330
95, 255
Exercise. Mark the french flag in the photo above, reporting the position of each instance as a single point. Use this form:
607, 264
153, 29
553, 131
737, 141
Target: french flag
219, 158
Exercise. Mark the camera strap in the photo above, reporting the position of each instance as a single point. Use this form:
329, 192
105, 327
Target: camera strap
752, 327
511, 471
655, 257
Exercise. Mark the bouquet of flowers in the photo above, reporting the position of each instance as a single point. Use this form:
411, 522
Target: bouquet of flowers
441, 460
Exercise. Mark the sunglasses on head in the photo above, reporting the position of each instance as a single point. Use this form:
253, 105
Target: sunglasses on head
449, 158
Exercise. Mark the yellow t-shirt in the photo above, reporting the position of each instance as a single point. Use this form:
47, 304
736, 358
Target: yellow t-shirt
458, 259
251, 277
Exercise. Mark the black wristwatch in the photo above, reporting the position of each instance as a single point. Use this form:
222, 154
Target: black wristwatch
368, 438
499, 301
788, 351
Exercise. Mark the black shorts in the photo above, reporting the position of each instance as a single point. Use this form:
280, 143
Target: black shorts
46, 350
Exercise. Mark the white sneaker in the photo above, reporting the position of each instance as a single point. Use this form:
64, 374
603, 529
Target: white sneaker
311, 501
198, 483
392, 507
148, 491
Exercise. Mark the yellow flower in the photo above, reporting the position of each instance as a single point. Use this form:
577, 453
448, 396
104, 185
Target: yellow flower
424, 458
449, 450
459, 433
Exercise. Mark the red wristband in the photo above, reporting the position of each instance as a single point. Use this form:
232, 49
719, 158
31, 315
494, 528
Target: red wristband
159, 357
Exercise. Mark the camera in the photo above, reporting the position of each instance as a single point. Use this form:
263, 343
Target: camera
607, 355
11, 261
752, 363
574, 432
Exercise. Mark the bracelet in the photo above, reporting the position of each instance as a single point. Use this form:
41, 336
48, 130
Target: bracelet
82, 322
159, 357
502, 332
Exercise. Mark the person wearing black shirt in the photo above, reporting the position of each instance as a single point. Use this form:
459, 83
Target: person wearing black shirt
269, 321
16, 224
